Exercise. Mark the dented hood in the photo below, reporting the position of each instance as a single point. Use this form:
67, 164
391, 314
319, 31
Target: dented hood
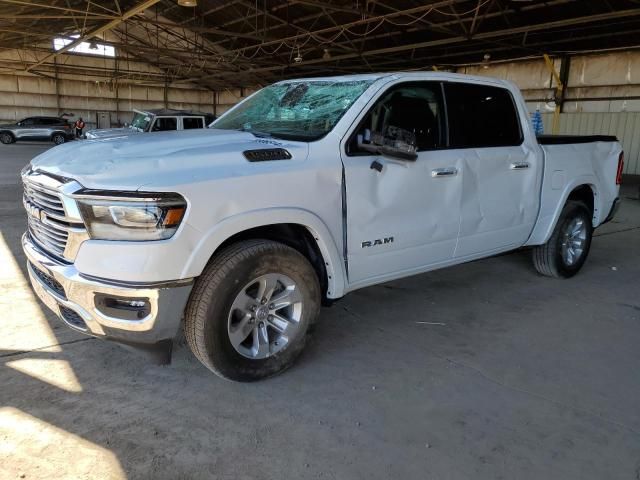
159, 159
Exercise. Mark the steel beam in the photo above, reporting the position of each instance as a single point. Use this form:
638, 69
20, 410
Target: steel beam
98, 31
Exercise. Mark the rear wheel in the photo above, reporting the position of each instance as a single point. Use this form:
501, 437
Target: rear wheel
6, 138
567, 249
58, 138
251, 311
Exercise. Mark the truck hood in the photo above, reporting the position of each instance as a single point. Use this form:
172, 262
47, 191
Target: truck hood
162, 159
112, 132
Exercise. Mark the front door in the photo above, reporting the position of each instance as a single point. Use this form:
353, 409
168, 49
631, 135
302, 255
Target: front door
27, 128
402, 216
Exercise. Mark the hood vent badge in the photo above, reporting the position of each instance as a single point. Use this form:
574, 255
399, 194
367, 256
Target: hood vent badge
267, 154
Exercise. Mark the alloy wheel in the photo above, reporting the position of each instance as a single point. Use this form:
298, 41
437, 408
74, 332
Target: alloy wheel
265, 316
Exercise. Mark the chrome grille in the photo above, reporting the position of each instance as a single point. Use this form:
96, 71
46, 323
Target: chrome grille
43, 198
46, 220
49, 234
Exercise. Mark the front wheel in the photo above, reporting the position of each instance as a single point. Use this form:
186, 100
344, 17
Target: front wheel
251, 311
58, 138
566, 251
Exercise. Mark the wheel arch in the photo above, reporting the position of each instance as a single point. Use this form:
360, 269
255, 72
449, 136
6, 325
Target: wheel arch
299, 229
584, 189
58, 132
585, 193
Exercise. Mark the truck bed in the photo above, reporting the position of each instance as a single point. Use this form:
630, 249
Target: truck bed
566, 139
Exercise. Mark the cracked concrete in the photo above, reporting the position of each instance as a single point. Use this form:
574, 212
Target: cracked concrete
484, 370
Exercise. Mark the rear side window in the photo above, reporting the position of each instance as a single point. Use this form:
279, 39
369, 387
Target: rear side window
481, 116
165, 123
189, 123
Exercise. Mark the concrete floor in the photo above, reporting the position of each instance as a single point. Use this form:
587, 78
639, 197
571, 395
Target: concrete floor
516, 376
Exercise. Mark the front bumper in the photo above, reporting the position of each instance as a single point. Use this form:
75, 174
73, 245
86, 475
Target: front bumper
79, 301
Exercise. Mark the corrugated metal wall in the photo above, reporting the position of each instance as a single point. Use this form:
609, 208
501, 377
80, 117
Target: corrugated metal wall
624, 125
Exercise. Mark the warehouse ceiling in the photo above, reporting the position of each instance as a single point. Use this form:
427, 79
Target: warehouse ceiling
235, 43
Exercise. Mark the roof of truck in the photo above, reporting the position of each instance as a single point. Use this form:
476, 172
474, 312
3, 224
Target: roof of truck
430, 75
174, 113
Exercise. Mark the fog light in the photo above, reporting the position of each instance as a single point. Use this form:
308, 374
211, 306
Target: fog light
123, 308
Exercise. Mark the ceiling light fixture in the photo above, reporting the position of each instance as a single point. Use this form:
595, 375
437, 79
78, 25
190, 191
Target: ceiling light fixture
326, 55
188, 3
298, 57
485, 60
93, 45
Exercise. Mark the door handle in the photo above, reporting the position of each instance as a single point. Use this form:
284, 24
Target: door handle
519, 165
444, 172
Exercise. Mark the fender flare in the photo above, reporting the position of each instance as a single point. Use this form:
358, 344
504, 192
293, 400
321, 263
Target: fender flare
230, 226
546, 224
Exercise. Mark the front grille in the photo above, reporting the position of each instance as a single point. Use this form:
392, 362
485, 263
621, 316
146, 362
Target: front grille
50, 235
72, 318
46, 218
43, 198
49, 281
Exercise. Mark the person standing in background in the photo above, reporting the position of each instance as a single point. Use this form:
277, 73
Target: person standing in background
79, 125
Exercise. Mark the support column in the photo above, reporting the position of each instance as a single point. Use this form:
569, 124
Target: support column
57, 81
564, 78
556, 113
166, 94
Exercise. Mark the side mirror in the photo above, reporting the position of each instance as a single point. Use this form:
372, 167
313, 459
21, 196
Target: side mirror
19, 124
126, 124
395, 142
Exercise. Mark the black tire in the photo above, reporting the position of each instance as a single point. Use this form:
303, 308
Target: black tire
58, 138
209, 307
548, 259
6, 138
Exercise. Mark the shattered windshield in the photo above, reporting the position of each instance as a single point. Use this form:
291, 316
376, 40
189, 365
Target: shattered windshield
305, 110
140, 121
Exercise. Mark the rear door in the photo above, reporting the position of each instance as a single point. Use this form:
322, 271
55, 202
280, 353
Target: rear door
499, 184
402, 216
41, 128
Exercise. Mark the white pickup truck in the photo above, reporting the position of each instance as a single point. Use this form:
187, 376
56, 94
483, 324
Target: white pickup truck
305, 191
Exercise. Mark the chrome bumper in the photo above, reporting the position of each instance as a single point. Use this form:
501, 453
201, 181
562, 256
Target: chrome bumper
73, 297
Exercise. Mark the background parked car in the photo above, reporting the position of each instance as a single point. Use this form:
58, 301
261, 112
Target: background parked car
55, 129
162, 120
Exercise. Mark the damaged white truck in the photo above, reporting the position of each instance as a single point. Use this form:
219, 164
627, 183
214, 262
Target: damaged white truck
303, 192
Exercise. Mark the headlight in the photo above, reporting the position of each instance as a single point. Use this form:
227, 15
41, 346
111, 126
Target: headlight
134, 216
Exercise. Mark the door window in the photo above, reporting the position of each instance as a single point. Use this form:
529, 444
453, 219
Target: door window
411, 107
189, 123
481, 116
27, 122
163, 124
